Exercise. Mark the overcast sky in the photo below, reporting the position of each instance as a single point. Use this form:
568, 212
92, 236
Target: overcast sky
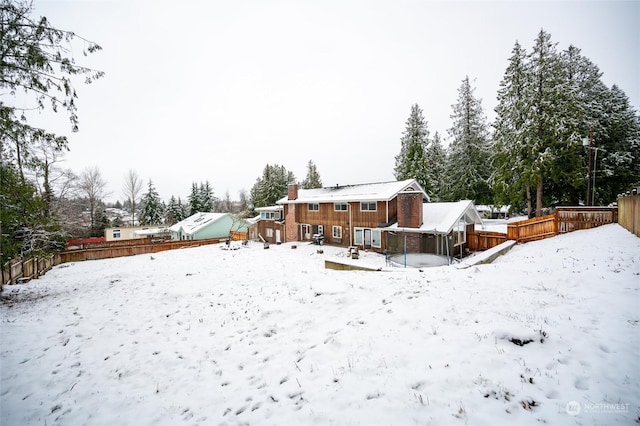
215, 90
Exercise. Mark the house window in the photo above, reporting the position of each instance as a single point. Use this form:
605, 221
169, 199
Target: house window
460, 233
305, 231
337, 232
368, 207
269, 232
116, 233
340, 207
376, 238
314, 207
368, 237
358, 236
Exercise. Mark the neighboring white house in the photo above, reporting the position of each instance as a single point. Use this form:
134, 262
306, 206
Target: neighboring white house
202, 226
133, 232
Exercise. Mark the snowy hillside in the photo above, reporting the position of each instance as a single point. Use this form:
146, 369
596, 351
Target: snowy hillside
549, 333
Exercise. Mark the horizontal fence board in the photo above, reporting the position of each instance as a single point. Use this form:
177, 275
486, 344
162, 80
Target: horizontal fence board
143, 247
479, 240
24, 270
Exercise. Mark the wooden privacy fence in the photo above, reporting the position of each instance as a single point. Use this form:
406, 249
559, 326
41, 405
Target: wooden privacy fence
533, 229
19, 270
25, 270
629, 213
142, 247
575, 218
565, 219
479, 240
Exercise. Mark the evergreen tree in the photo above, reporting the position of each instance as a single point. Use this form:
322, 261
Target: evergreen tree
411, 162
172, 213
101, 222
272, 186
195, 200
36, 66
437, 159
152, 209
35, 60
546, 101
468, 164
312, 180
25, 230
510, 152
617, 166
579, 80
207, 199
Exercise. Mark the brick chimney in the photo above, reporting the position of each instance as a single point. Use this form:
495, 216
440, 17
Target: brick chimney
292, 191
410, 209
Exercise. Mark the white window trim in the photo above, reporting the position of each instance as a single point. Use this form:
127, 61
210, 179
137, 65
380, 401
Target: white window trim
336, 231
358, 241
368, 204
461, 230
335, 207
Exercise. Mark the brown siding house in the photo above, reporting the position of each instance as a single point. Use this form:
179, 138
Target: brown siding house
352, 215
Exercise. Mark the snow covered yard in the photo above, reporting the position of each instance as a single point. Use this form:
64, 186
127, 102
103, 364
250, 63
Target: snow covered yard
548, 333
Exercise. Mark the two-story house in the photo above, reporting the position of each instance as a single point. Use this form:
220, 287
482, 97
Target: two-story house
351, 215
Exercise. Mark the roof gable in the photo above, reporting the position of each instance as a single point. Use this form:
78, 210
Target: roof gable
441, 218
196, 222
380, 191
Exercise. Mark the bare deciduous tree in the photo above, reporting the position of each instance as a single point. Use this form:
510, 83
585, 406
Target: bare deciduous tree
92, 186
131, 190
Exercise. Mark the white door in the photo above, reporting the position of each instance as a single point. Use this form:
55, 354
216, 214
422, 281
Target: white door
278, 236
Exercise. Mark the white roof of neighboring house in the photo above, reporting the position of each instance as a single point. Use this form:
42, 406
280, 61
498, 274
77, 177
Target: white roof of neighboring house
441, 218
151, 231
382, 191
194, 223
269, 209
492, 208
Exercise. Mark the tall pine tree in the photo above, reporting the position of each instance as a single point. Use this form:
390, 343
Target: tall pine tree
468, 161
510, 140
271, 186
207, 199
152, 210
312, 180
437, 159
174, 211
411, 162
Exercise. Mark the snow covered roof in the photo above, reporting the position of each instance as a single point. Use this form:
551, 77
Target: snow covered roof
441, 218
492, 208
381, 191
151, 231
195, 222
269, 209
